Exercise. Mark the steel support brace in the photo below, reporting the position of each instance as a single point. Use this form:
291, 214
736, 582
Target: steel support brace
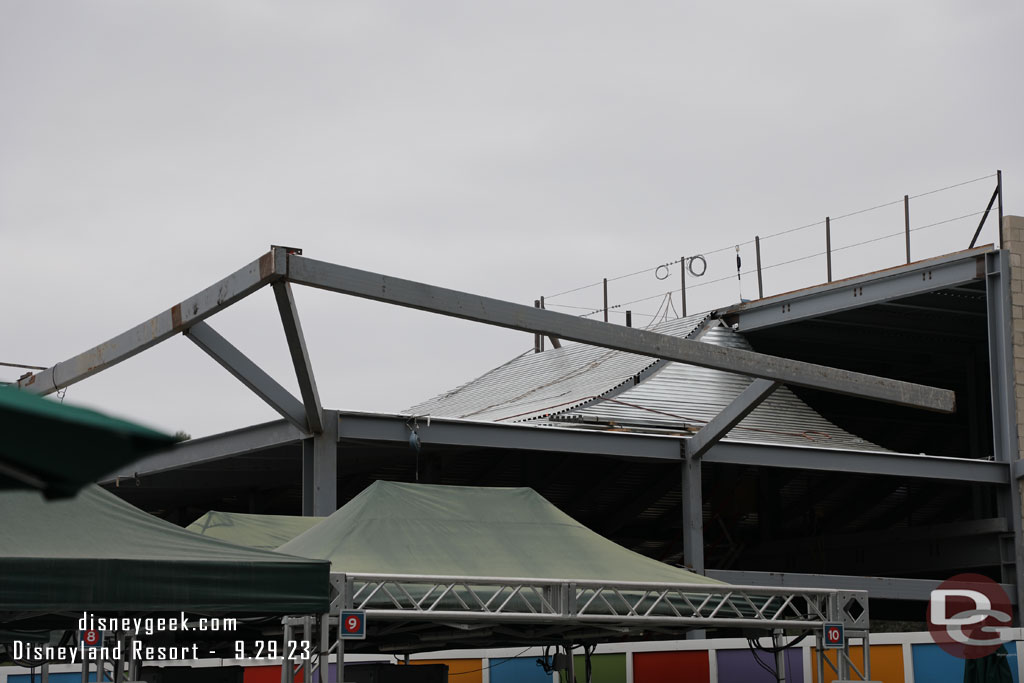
449, 302
248, 373
320, 469
240, 284
1004, 408
741, 406
300, 356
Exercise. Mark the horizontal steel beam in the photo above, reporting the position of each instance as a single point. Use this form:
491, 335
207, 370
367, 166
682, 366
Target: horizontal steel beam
248, 373
860, 291
440, 432
458, 304
860, 462
243, 441
878, 587
178, 318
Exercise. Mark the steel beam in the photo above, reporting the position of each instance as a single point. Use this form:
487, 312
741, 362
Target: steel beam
300, 356
741, 406
1004, 407
248, 373
240, 284
243, 441
860, 462
878, 587
320, 469
443, 432
857, 292
449, 302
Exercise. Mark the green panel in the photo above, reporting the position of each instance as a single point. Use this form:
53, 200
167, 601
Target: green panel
605, 668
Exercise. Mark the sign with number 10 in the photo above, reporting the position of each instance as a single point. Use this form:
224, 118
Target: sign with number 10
353, 625
834, 636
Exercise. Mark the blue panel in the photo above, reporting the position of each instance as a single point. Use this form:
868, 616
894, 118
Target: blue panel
934, 665
520, 670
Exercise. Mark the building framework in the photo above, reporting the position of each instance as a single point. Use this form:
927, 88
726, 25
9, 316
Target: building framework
979, 286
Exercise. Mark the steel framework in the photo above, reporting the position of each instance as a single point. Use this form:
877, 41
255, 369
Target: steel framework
320, 430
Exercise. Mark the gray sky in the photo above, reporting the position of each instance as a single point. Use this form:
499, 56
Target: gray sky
148, 149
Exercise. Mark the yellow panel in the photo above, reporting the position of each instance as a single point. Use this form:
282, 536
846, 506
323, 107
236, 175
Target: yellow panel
886, 663
468, 670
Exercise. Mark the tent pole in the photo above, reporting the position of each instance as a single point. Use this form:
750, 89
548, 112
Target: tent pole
325, 647
307, 636
286, 663
341, 654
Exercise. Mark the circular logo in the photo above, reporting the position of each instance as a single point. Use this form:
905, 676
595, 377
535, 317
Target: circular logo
353, 623
969, 616
91, 637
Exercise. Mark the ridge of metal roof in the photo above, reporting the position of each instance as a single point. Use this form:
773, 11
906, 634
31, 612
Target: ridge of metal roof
537, 385
679, 396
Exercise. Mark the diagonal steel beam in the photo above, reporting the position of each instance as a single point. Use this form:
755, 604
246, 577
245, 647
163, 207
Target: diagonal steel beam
248, 373
731, 415
450, 302
178, 318
300, 356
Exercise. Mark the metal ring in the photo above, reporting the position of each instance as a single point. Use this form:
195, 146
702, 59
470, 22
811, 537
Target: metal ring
703, 264
658, 269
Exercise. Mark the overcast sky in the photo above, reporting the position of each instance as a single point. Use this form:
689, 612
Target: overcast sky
518, 149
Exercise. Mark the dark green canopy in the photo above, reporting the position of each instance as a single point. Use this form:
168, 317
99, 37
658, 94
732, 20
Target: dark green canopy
96, 552
58, 448
398, 528
253, 531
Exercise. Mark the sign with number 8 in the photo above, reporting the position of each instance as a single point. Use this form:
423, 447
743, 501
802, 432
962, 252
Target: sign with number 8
353, 625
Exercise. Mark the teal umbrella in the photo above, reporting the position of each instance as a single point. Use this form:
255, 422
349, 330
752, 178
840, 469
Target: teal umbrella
58, 448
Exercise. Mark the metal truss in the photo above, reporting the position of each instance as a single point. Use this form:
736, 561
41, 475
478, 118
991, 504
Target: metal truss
626, 605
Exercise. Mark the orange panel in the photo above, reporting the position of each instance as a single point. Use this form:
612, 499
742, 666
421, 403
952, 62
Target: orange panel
265, 674
468, 670
886, 663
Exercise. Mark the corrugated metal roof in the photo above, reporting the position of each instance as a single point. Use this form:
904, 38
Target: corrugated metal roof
593, 386
678, 394
536, 385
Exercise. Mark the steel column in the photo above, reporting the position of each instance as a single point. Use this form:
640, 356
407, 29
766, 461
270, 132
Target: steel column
1004, 407
320, 469
300, 356
693, 516
248, 373
528, 319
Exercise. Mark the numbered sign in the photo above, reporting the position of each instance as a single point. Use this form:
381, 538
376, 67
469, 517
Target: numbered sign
353, 625
834, 636
91, 638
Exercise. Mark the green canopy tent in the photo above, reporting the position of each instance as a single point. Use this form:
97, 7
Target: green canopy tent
426, 529
253, 531
96, 552
58, 448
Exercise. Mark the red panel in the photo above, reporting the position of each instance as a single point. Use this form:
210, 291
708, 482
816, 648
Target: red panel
265, 674
670, 667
